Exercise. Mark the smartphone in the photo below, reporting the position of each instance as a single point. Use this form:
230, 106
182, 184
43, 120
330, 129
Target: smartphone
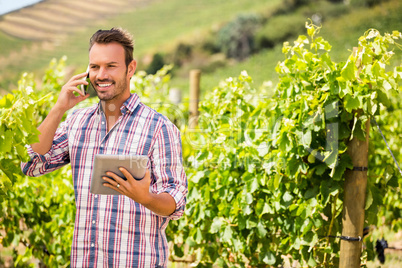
86, 88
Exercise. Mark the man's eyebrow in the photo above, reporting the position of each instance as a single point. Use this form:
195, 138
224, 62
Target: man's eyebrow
108, 63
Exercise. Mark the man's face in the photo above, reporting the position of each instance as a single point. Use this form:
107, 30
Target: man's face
108, 72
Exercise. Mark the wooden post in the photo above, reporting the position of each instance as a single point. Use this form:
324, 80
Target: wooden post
354, 202
194, 97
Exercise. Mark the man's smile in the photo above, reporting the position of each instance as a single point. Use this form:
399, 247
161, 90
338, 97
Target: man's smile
104, 85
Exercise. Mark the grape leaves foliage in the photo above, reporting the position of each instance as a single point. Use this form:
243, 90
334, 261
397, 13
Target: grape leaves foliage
37, 214
266, 181
265, 170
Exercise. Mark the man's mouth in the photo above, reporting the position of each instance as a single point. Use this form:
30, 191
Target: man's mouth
104, 85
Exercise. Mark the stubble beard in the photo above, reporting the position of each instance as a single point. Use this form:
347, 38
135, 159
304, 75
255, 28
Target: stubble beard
119, 89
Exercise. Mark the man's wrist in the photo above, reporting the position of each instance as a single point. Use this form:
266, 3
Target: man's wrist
58, 111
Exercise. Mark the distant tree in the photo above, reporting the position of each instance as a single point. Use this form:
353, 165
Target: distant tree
236, 39
182, 53
156, 64
298, 3
368, 3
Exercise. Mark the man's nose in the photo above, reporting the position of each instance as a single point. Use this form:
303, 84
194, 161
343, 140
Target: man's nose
102, 74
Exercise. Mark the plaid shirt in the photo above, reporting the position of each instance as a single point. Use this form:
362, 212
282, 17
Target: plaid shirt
113, 230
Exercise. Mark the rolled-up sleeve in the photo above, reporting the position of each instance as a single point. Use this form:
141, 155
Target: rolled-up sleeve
55, 158
167, 167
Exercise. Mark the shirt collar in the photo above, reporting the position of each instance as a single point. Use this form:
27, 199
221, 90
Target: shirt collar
128, 106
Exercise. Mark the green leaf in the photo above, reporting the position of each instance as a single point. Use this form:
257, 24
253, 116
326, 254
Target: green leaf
203, 155
178, 250
383, 98
306, 141
311, 261
352, 103
262, 149
320, 169
341, 167
311, 158
261, 231
369, 199
7, 101
249, 198
22, 152
388, 173
10, 169
386, 85
348, 71
252, 185
198, 237
8, 141
216, 225
328, 188
287, 197
241, 221
227, 234
277, 180
196, 178
269, 258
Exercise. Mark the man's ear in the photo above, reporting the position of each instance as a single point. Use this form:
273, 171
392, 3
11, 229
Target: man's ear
131, 68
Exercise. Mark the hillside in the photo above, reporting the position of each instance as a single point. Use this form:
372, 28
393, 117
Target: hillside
50, 20
160, 26
29, 36
342, 31
153, 25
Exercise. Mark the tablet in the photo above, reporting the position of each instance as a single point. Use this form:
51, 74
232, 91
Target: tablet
135, 164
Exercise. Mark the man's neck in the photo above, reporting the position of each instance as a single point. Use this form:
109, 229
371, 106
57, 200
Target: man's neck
112, 112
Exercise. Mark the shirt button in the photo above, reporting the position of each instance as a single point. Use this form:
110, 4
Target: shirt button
93, 222
103, 122
92, 245
96, 196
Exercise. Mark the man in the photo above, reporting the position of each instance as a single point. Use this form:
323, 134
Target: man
114, 230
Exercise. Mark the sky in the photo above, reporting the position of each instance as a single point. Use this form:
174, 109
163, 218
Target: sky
7, 6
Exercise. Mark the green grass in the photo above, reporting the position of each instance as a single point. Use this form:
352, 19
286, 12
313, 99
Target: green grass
10, 44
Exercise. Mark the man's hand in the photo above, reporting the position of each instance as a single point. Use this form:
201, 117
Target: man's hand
67, 99
138, 190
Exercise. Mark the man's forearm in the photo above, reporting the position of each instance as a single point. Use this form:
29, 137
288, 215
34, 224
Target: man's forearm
47, 130
162, 204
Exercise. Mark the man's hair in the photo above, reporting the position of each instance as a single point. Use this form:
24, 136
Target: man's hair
117, 35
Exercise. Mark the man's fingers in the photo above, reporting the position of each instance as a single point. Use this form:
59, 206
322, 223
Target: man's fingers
113, 177
112, 181
128, 175
79, 76
77, 82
